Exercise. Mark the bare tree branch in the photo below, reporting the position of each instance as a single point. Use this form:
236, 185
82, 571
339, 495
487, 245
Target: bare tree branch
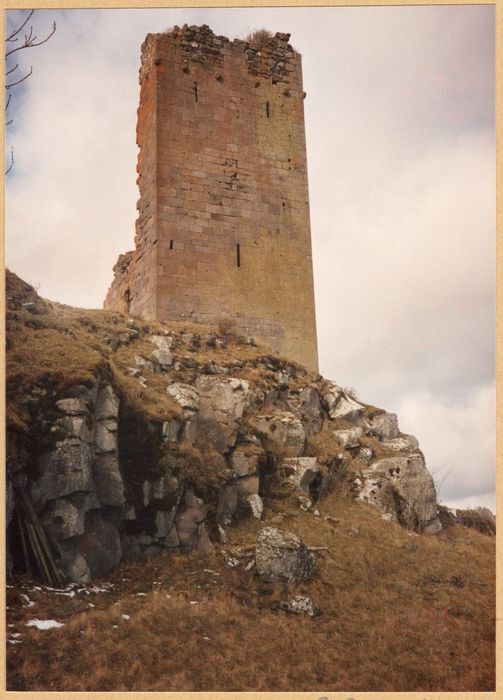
7, 87
11, 161
16, 32
30, 41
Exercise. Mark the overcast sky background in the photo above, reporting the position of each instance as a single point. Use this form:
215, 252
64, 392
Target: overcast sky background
401, 157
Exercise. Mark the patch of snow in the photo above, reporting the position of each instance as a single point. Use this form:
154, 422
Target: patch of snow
14, 641
15, 635
115, 627
210, 571
126, 617
207, 639
44, 624
70, 594
193, 602
141, 594
92, 605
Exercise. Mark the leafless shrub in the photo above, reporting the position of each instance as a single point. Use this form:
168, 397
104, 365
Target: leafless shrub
351, 393
259, 37
226, 327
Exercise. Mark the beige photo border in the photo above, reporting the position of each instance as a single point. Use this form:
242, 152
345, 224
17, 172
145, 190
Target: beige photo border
498, 693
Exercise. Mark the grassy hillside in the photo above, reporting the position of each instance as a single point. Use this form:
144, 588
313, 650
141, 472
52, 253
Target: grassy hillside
400, 611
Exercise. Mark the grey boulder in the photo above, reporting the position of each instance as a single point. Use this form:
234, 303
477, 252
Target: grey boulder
281, 556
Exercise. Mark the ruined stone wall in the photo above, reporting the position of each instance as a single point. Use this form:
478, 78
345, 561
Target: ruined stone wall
223, 227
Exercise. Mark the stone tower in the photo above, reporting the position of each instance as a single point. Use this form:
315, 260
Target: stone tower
223, 226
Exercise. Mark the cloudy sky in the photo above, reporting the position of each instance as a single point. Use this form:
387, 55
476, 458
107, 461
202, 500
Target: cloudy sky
400, 138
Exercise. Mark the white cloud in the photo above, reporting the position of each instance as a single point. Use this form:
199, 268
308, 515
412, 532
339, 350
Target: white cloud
458, 441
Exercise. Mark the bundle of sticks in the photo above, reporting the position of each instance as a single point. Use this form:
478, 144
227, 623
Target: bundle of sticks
34, 541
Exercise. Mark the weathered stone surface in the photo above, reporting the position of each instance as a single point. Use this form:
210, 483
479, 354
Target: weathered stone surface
303, 605
74, 566
171, 540
162, 342
403, 487
107, 403
100, 545
72, 406
306, 402
171, 430
191, 513
339, 405
186, 396
481, 519
227, 504
63, 471
162, 487
76, 426
162, 358
164, 521
247, 486
281, 556
349, 437
203, 539
365, 454
105, 439
222, 402
62, 519
384, 426
404, 443
281, 432
108, 480
142, 362
247, 459
256, 505
301, 471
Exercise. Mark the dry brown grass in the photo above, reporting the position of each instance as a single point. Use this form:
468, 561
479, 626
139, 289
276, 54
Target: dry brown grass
259, 38
400, 612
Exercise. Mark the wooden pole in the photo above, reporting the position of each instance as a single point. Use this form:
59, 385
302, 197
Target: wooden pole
23, 542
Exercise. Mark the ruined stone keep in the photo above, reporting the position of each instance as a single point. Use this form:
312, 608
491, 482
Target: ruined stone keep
223, 225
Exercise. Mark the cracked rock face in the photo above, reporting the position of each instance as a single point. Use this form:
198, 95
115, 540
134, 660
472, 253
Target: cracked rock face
403, 487
281, 556
79, 491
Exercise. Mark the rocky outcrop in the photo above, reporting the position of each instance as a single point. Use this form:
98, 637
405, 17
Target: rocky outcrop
109, 480
402, 489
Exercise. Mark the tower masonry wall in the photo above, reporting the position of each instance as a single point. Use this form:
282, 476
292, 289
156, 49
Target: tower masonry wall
223, 216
